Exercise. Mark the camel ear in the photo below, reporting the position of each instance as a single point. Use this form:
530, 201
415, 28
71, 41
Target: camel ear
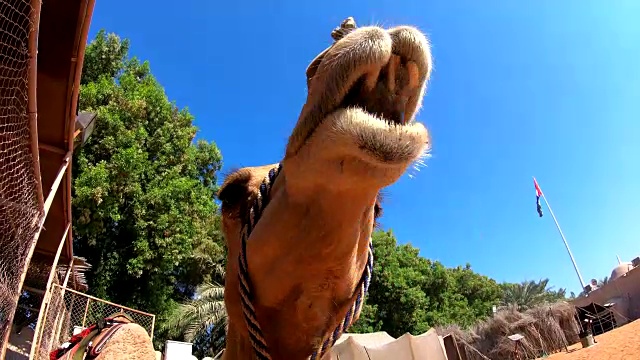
235, 190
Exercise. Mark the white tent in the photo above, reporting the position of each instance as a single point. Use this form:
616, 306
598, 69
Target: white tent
370, 340
381, 346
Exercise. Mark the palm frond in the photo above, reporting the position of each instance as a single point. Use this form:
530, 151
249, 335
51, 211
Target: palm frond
195, 317
210, 292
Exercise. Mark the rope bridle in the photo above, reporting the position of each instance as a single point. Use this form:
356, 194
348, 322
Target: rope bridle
252, 217
255, 332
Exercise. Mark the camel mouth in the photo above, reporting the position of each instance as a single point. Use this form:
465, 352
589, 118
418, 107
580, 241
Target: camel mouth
377, 114
366, 90
384, 94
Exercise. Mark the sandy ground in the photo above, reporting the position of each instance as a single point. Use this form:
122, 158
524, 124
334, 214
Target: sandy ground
622, 343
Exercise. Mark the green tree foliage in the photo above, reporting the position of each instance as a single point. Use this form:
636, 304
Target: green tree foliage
143, 208
409, 293
528, 294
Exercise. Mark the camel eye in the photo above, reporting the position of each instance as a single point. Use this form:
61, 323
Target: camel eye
377, 210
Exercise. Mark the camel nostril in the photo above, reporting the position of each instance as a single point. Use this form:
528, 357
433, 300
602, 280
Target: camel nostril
413, 46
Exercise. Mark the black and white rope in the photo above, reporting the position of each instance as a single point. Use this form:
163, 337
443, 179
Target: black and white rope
256, 336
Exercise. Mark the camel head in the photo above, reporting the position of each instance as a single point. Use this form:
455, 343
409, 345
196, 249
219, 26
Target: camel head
309, 248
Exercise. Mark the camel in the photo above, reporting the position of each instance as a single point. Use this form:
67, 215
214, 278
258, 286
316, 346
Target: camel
298, 232
117, 337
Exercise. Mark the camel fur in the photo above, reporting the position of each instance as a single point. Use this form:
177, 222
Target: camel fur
130, 342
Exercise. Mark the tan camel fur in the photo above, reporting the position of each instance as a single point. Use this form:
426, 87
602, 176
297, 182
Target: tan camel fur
356, 134
130, 342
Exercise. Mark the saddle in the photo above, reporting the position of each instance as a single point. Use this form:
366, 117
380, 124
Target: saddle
88, 344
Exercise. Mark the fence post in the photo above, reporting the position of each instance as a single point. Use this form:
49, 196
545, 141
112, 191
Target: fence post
153, 324
64, 309
55, 322
62, 319
86, 308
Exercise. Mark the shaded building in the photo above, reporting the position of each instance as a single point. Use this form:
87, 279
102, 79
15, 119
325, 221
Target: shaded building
621, 294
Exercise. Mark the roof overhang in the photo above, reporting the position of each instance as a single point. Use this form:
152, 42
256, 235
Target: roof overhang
62, 38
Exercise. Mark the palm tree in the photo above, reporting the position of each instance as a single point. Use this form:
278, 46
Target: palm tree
201, 320
528, 294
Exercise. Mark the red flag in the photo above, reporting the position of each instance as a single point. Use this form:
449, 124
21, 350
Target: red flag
538, 191
538, 194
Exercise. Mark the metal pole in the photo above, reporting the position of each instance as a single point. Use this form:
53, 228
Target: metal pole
86, 310
566, 244
65, 312
153, 324
44, 307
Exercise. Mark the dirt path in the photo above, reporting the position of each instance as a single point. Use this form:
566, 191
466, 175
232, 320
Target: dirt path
619, 344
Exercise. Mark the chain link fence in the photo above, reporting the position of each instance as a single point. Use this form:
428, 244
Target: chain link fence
71, 310
20, 193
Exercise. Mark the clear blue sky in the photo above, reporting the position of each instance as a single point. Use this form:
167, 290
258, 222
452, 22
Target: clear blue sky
538, 88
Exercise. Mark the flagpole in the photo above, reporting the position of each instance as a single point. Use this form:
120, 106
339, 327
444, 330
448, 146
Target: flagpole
566, 244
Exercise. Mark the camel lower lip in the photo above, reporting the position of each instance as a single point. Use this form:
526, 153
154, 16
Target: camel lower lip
397, 122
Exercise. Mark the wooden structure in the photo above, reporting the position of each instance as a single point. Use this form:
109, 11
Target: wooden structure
57, 40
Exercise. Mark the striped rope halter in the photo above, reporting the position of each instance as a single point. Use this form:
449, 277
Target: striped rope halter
253, 216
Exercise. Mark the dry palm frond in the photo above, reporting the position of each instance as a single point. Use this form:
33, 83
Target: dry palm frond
40, 268
546, 328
